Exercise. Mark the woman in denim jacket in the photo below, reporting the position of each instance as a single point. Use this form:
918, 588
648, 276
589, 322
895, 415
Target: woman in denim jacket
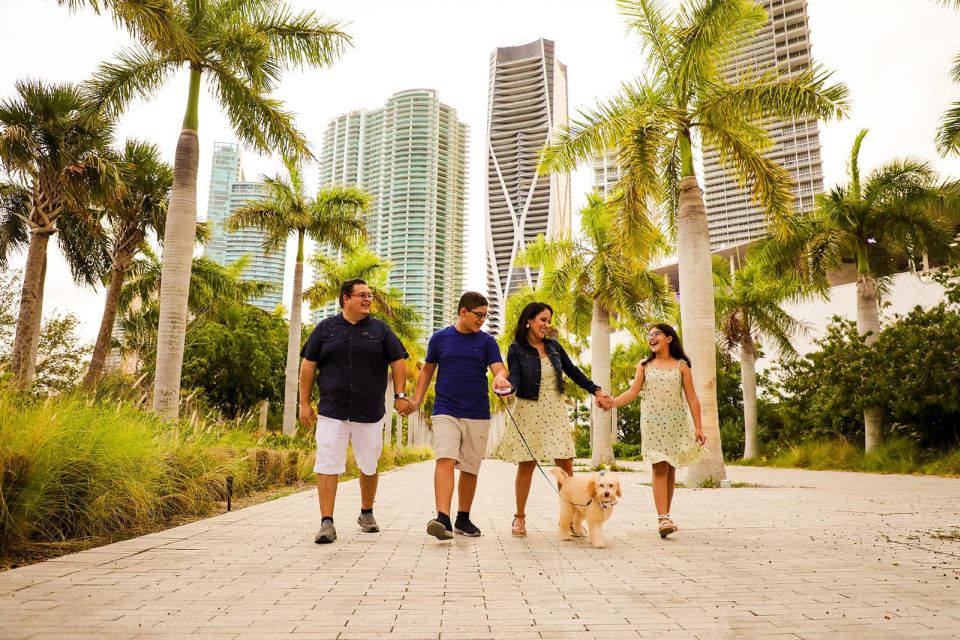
537, 365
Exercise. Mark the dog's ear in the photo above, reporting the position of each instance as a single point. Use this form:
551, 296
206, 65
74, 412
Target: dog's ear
592, 488
619, 493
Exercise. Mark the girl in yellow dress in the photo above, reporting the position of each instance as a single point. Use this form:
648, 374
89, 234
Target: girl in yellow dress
668, 439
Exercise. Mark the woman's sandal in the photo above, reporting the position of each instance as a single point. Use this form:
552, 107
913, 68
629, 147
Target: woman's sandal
666, 526
519, 528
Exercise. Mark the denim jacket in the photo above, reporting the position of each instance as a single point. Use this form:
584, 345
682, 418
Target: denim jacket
523, 362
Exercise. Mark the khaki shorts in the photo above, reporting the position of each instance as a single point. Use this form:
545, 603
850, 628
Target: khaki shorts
461, 439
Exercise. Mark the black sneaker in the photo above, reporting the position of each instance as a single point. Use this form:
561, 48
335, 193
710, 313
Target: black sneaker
464, 527
439, 530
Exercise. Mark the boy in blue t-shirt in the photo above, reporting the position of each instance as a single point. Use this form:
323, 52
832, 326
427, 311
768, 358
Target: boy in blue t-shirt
461, 412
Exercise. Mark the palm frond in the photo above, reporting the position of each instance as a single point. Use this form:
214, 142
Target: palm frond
853, 164
338, 216
137, 72
258, 119
594, 132
14, 220
268, 216
898, 180
647, 18
300, 39
147, 20
709, 31
741, 151
948, 135
805, 94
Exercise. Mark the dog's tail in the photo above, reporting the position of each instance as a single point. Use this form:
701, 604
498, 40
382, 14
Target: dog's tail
560, 475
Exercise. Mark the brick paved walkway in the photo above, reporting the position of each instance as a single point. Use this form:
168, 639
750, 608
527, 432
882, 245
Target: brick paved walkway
807, 555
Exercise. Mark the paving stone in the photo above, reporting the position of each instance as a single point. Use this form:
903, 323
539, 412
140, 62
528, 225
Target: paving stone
807, 555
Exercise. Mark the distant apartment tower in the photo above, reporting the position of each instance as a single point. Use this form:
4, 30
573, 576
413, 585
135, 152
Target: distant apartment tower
527, 102
411, 156
782, 44
228, 192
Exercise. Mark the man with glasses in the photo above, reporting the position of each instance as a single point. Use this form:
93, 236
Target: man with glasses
352, 351
461, 354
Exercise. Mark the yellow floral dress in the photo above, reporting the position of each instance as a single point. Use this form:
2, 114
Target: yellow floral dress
544, 423
667, 432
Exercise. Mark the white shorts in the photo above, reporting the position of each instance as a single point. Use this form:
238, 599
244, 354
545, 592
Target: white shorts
332, 437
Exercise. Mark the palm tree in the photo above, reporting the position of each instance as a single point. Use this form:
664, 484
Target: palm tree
749, 312
336, 217
387, 304
56, 149
213, 289
141, 209
653, 126
898, 210
241, 47
948, 136
597, 277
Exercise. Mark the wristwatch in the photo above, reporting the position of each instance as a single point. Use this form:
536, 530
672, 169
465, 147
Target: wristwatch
399, 396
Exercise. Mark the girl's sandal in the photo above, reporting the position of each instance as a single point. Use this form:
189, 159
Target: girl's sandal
519, 528
666, 526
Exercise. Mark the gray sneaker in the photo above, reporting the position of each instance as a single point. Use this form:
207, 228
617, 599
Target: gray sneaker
368, 524
326, 534
438, 530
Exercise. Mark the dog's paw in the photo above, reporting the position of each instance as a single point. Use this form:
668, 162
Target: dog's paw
599, 545
566, 538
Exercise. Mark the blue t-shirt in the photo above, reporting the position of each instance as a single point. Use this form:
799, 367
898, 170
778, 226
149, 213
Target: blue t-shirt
462, 360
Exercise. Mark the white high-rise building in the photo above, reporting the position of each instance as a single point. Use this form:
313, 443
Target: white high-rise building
410, 155
606, 173
783, 44
527, 102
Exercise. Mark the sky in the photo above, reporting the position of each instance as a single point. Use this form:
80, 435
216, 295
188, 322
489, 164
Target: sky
894, 55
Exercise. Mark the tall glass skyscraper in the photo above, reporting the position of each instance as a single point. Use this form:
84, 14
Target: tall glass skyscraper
527, 102
410, 155
229, 192
225, 171
783, 44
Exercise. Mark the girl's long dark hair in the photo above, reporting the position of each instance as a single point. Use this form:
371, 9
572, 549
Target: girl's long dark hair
676, 349
530, 311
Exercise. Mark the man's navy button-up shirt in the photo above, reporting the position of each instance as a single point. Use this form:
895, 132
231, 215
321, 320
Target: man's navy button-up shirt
352, 362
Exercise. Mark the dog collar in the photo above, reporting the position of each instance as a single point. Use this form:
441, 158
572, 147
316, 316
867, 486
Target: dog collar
608, 505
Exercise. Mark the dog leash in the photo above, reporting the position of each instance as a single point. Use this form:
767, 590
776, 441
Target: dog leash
530, 451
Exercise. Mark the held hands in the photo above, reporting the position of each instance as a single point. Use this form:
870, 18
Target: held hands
701, 438
604, 399
404, 406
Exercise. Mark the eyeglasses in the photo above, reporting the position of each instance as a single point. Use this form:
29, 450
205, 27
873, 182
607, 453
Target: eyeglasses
362, 296
480, 314
655, 333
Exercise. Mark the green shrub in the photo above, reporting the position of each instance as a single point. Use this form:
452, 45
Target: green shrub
626, 451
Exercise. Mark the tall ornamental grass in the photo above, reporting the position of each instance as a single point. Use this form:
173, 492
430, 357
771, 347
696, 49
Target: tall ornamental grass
75, 470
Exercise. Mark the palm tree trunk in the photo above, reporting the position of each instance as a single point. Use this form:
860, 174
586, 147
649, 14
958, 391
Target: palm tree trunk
178, 242
102, 347
697, 315
602, 452
868, 323
292, 377
24, 356
748, 374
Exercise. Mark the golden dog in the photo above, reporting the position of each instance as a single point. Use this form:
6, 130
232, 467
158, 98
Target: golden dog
586, 498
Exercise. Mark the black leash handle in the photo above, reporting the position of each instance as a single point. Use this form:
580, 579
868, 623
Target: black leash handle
530, 451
